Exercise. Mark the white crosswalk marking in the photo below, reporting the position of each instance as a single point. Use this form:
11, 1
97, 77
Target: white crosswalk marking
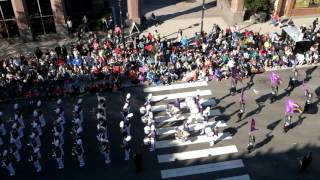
213, 112
191, 140
175, 86
197, 154
193, 127
199, 169
195, 146
204, 102
242, 177
180, 95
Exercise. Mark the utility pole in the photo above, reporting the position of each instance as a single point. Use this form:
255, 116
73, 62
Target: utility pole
202, 16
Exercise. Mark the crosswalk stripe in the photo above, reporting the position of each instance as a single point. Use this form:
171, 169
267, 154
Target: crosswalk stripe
213, 112
242, 177
193, 127
180, 95
197, 154
191, 140
176, 86
199, 169
204, 102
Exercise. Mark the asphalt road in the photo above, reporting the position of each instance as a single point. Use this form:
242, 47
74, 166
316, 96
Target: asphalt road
275, 156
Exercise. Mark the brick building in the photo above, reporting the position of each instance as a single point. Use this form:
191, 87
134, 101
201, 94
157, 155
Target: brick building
28, 18
297, 7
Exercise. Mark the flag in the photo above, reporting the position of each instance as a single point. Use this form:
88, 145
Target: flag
253, 126
292, 107
274, 78
242, 95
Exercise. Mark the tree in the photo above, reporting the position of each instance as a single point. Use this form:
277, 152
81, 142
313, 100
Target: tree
258, 5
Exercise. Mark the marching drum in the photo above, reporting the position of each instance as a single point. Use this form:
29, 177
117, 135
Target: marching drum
208, 131
147, 130
146, 141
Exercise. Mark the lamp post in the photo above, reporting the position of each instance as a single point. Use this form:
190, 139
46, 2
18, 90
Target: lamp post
202, 16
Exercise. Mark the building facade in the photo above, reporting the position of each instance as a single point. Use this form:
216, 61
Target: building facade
30, 18
298, 7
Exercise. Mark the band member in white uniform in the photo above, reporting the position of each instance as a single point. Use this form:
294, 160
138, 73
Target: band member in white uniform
40, 114
7, 162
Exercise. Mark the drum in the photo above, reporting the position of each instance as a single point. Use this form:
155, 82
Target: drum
142, 110
146, 141
146, 129
144, 119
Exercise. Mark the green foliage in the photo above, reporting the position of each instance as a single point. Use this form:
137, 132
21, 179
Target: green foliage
258, 5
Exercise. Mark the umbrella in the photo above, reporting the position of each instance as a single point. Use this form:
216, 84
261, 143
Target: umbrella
143, 69
148, 48
184, 41
77, 61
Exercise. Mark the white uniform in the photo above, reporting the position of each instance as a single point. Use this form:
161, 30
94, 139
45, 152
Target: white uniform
79, 152
15, 151
15, 138
34, 158
3, 130
40, 114
58, 155
127, 148
6, 162
105, 150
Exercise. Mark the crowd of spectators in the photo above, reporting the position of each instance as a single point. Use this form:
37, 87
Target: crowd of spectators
92, 64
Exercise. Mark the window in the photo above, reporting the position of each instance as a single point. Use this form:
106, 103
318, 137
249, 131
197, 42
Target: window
8, 24
307, 3
41, 17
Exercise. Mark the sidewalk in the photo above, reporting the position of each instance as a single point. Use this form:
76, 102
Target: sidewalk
189, 26
185, 19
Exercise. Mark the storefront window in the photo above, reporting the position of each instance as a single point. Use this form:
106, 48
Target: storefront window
307, 3
41, 17
8, 24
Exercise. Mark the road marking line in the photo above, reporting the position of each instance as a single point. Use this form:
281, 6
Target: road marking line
193, 127
180, 95
175, 86
204, 102
191, 140
200, 169
164, 119
242, 177
197, 154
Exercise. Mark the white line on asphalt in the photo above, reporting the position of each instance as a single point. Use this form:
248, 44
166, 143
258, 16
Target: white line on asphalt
242, 177
180, 95
193, 127
204, 102
199, 169
175, 86
197, 154
191, 140
164, 119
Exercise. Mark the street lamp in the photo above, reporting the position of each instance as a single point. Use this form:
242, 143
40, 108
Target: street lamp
202, 16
